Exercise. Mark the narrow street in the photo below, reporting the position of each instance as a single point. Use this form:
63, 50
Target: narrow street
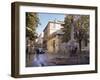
53, 60
60, 39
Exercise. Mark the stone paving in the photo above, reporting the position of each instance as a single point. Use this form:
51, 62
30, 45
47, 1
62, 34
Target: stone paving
56, 59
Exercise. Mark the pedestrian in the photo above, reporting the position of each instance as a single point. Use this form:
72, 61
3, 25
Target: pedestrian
40, 57
73, 49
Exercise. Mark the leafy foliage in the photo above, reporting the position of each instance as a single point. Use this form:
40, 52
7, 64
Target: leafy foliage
67, 28
81, 28
32, 22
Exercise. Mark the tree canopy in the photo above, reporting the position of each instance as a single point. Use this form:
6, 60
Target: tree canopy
67, 28
32, 22
81, 28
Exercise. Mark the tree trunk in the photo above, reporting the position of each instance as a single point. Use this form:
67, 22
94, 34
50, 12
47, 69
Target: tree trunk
79, 46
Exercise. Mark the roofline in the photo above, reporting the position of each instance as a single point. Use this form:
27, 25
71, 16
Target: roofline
52, 22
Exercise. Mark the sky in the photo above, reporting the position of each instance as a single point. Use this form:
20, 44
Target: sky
45, 18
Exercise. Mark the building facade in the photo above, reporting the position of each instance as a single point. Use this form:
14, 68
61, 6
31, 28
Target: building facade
39, 40
52, 39
52, 36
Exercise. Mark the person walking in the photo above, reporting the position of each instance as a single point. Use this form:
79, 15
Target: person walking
40, 57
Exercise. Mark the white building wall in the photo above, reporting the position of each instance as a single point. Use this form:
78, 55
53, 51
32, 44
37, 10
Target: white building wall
54, 27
